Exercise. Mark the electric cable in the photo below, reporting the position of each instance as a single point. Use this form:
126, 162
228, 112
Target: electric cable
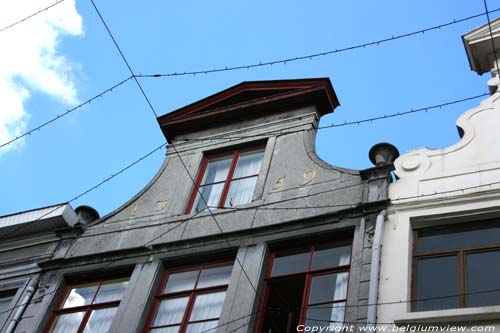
124, 59
57, 117
334, 125
30, 16
315, 55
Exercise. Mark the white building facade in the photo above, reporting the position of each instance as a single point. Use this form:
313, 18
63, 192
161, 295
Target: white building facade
440, 260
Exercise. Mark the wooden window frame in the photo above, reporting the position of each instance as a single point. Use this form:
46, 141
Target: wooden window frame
234, 154
190, 293
460, 253
309, 274
87, 308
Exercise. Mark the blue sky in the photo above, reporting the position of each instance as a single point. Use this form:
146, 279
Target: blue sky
80, 150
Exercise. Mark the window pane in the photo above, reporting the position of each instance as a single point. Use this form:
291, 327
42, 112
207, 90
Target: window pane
293, 261
240, 192
206, 326
248, 164
215, 276
326, 316
170, 329
208, 306
5, 304
217, 170
284, 301
483, 273
80, 296
325, 256
437, 277
181, 281
100, 320
67, 323
328, 287
111, 291
170, 311
465, 237
211, 194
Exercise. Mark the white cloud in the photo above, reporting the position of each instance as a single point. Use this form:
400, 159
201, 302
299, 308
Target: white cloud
29, 59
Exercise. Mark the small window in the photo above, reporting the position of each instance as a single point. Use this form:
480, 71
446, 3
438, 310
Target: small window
5, 301
190, 300
306, 286
89, 307
226, 180
457, 266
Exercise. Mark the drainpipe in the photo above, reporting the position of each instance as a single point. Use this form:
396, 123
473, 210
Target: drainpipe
375, 268
24, 304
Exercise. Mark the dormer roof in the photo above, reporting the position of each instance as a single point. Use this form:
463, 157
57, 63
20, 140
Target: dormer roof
249, 100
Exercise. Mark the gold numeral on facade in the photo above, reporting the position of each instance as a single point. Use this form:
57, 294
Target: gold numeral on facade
309, 176
162, 204
280, 182
134, 211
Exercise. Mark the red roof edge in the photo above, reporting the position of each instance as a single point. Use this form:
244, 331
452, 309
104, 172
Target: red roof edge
249, 96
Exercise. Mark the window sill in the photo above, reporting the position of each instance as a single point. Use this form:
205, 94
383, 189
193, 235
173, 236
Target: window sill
251, 205
450, 316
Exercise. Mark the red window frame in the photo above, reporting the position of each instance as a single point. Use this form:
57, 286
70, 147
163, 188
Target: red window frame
229, 178
310, 273
59, 310
191, 293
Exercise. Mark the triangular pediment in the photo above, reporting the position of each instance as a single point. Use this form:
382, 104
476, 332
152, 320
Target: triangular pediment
479, 47
242, 98
482, 33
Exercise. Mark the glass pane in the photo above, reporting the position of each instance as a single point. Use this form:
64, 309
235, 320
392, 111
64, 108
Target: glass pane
240, 192
325, 256
217, 170
292, 261
215, 276
207, 306
100, 320
170, 311
483, 274
181, 281
248, 164
463, 237
211, 194
170, 329
437, 277
326, 316
67, 323
328, 287
205, 327
79, 296
4, 304
111, 291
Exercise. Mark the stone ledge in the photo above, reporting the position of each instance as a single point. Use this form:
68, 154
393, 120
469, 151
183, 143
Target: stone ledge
450, 316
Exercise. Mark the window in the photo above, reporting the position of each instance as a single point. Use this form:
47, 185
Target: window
88, 308
190, 300
5, 300
457, 266
306, 285
226, 180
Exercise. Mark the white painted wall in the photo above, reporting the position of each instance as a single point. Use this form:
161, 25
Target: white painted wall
456, 184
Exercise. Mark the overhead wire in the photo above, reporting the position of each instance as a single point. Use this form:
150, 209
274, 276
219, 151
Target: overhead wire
175, 150
134, 76
497, 65
315, 55
124, 59
91, 189
59, 116
334, 125
30, 16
